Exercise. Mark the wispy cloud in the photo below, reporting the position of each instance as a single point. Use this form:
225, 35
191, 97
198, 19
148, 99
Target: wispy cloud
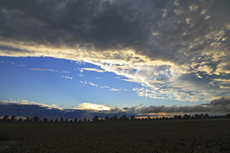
67, 77
92, 84
92, 69
113, 89
39, 69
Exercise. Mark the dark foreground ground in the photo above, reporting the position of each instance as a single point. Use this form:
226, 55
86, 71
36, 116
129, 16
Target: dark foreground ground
143, 136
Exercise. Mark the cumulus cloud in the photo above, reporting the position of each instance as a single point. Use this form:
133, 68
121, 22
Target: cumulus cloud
159, 44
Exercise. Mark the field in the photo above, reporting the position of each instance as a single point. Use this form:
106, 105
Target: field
138, 136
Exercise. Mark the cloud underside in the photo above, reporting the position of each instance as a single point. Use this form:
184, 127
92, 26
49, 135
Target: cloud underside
176, 50
88, 110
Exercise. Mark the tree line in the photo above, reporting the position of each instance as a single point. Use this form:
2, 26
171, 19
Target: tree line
7, 118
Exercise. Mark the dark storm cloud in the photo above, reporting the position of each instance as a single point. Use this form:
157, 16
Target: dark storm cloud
115, 25
100, 24
192, 36
221, 105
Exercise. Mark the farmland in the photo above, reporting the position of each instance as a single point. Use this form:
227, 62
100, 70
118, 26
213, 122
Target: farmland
134, 136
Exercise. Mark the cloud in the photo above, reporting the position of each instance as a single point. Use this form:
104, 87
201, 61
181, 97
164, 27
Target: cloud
221, 105
113, 89
91, 106
30, 109
92, 84
159, 44
193, 7
92, 69
64, 71
25, 102
207, 17
203, 12
67, 77
38, 69
222, 101
88, 110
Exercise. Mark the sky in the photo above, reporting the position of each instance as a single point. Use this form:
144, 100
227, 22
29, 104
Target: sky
78, 58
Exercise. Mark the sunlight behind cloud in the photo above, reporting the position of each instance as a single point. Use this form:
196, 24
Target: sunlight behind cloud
91, 106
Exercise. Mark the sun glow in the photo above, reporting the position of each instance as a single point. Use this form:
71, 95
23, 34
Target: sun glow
91, 106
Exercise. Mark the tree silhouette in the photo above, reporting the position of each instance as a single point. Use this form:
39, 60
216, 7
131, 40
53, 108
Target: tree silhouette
84, 120
51, 120
75, 120
61, 119
45, 119
132, 118
56, 120
227, 116
66, 120
28, 119
20, 119
206, 116
201, 115
107, 118
196, 116
95, 118
13, 118
36, 118
186, 116
123, 118
5, 117
115, 117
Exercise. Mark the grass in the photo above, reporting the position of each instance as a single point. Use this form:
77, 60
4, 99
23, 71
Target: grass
143, 136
